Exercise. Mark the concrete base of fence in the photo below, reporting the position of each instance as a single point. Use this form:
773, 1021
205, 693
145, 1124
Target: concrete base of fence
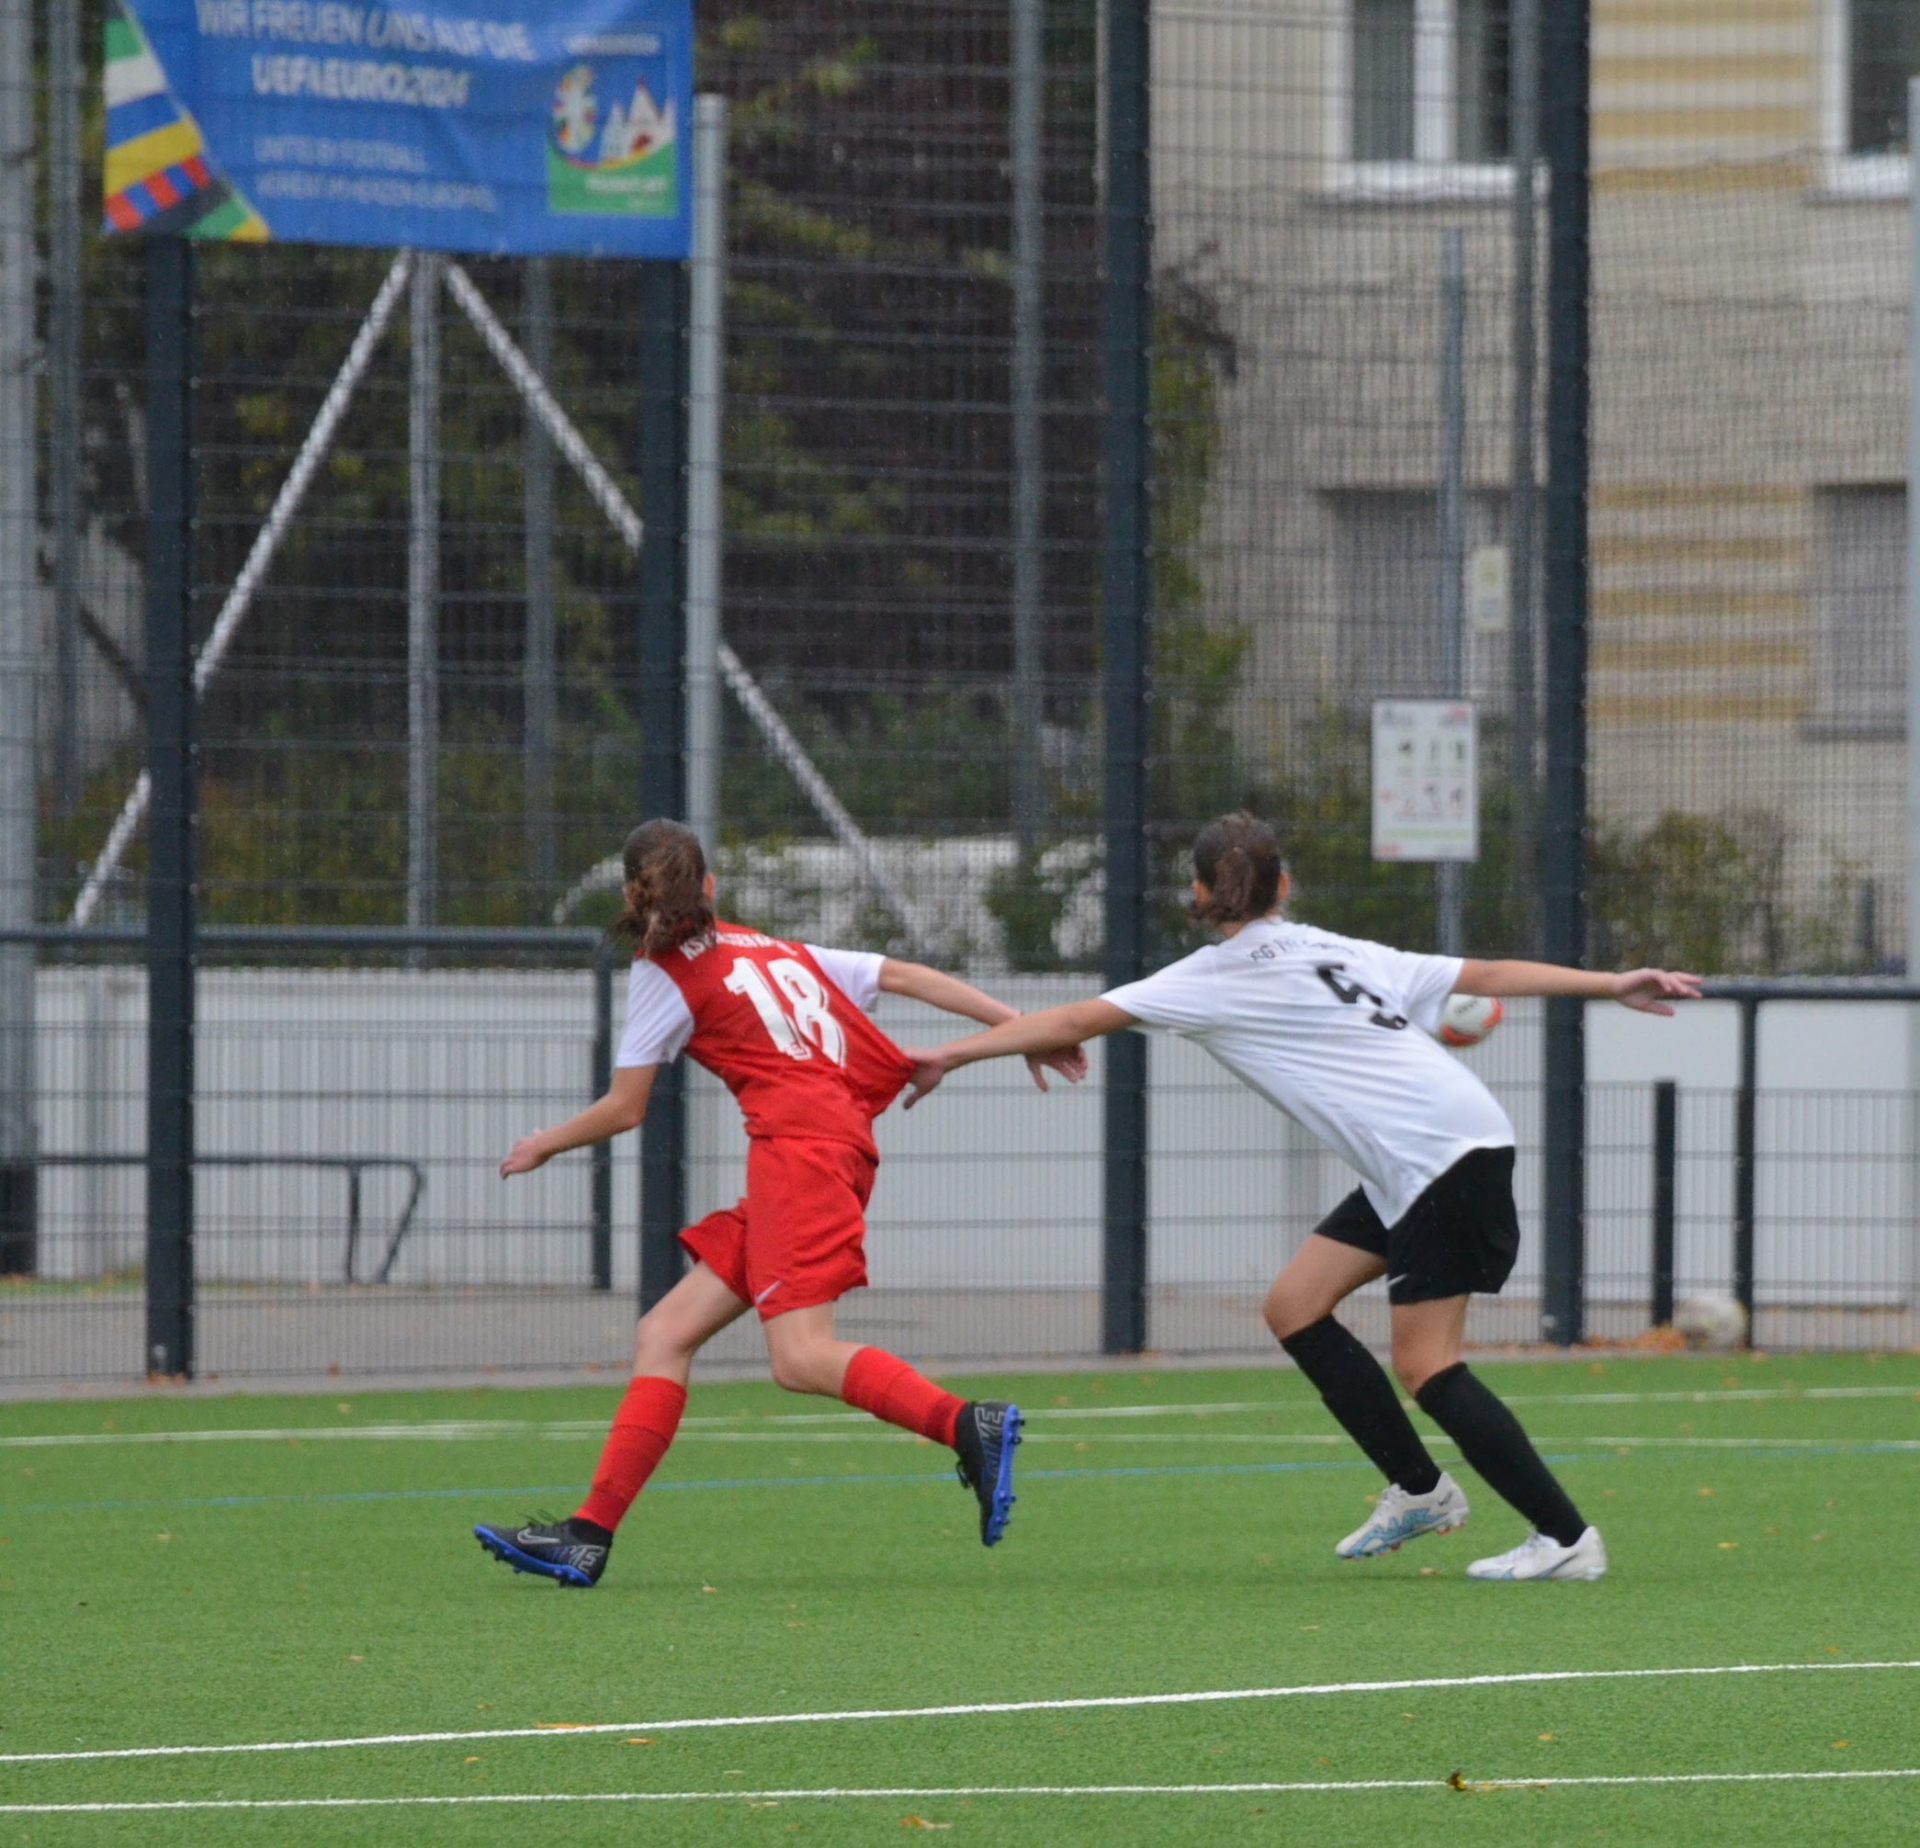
270, 1339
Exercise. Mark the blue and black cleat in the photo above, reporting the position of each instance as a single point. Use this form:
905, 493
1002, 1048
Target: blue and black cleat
550, 1549
986, 1436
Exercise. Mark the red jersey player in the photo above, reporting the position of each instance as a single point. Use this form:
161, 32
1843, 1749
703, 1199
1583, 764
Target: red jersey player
784, 1026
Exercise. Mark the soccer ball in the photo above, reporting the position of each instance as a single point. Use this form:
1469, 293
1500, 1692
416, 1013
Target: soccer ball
1715, 1322
1467, 1019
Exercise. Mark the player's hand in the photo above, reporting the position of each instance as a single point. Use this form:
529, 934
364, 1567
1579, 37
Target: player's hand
1651, 991
1071, 1065
529, 1153
928, 1069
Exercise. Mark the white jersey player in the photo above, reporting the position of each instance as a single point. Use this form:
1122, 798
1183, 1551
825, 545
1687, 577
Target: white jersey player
1339, 1034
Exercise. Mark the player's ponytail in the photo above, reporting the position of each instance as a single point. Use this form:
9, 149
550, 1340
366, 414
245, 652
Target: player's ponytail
1237, 859
665, 887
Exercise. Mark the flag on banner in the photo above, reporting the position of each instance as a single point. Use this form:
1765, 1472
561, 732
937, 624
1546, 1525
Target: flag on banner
159, 177
524, 127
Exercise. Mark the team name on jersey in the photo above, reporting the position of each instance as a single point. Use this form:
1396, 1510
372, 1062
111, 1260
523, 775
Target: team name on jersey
696, 947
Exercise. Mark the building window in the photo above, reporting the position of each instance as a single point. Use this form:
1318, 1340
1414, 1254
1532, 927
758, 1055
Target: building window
1482, 59
1869, 51
1883, 53
1859, 611
1383, 79
1388, 568
1424, 83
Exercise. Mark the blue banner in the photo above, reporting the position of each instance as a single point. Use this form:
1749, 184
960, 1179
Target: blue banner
525, 127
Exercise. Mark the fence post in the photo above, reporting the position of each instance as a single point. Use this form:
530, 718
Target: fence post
171, 824
19, 638
1746, 1131
1565, 71
66, 89
540, 670
704, 504
1450, 876
601, 1252
1522, 576
1666, 1155
1126, 643
663, 506
1026, 138
1912, 613
423, 593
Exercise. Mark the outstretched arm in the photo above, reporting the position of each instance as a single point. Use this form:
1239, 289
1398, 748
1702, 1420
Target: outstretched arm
953, 996
623, 1107
1051, 1031
1650, 991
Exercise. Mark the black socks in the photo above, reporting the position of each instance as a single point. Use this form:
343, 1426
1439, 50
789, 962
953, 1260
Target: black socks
1359, 1394
1490, 1438
1357, 1391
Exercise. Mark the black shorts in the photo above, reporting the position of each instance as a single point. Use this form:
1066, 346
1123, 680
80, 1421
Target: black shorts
1462, 1235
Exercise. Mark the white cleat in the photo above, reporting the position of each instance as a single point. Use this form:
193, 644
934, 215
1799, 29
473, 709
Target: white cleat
1399, 1517
1538, 1557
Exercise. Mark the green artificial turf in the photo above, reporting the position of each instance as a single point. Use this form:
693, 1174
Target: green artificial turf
303, 1584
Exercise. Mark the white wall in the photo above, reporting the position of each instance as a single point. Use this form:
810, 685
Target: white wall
987, 1182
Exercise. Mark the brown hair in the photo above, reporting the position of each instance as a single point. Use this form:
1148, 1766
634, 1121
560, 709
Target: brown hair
664, 887
1237, 858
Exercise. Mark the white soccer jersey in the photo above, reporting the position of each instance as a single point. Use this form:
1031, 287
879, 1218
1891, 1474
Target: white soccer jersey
659, 1023
1325, 1027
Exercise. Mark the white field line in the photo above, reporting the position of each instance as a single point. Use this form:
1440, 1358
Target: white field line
475, 1429
866, 1431
880, 1435
1724, 1393
970, 1709
1739, 1443
950, 1791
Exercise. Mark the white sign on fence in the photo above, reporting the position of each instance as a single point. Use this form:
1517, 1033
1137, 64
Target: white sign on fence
1426, 787
1487, 590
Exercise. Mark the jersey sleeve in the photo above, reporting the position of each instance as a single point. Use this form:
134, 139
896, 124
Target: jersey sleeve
856, 973
1181, 998
659, 1022
1424, 982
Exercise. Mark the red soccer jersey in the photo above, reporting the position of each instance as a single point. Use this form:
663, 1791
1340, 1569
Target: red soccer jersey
769, 1022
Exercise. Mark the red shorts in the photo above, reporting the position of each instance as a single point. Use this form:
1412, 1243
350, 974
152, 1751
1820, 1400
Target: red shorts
797, 1239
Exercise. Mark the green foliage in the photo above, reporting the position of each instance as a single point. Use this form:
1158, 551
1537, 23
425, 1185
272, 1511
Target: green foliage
936, 765
1028, 900
1193, 353
1710, 893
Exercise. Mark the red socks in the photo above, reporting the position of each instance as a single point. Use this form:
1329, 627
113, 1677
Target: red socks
649, 1415
643, 1427
879, 1383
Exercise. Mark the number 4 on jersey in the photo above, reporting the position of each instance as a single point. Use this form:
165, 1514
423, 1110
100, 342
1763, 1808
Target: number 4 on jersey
812, 1018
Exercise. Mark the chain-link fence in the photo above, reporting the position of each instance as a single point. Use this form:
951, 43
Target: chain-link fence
426, 706
895, 547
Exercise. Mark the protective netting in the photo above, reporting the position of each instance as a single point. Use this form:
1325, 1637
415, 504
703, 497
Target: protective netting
912, 503
1748, 313
1311, 161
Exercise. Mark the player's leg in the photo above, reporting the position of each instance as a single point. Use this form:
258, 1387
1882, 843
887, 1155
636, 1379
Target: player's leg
1326, 1269
807, 1356
806, 1232
574, 1551
1462, 1236
669, 1335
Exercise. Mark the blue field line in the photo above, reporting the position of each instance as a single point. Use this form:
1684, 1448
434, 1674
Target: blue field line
670, 1488
1123, 1471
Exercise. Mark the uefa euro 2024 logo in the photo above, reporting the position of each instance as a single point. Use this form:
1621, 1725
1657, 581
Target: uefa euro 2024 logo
625, 164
